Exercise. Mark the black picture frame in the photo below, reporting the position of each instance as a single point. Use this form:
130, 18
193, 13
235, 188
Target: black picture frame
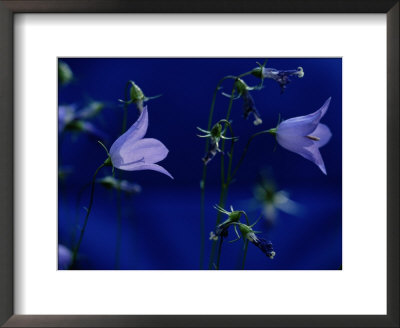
10, 7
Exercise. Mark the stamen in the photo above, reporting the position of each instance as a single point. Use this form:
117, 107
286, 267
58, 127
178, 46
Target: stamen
313, 138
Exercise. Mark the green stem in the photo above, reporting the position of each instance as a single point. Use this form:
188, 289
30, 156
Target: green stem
76, 222
246, 243
221, 240
224, 186
119, 231
245, 152
204, 175
76, 249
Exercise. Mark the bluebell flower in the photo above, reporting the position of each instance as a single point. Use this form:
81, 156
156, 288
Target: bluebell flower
250, 108
280, 76
265, 246
64, 257
132, 152
70, 119
125, 186
273, 200
304, 135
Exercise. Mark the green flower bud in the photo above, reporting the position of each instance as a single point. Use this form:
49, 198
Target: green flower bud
241, 86
136, 93
257, 72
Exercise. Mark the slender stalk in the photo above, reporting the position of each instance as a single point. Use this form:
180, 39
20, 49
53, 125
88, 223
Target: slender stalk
221, 240
245, 152
246, 243
119, 231
224, 186
204, 175
76, 221
76, 249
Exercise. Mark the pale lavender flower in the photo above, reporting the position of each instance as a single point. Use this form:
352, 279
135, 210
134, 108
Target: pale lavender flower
304, 135
64, 257
132, 152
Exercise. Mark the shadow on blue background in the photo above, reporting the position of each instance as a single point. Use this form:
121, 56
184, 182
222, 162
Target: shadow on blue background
161, 225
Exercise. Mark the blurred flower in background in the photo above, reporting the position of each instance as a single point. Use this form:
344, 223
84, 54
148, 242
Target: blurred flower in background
64, 257
125, 186
65, 75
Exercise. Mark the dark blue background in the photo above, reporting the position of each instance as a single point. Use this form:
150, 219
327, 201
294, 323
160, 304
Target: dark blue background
161, 226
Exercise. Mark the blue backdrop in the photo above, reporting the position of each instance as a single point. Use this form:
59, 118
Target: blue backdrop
161, 225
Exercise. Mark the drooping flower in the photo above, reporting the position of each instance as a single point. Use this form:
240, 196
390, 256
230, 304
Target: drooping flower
304, 135
64, 257
249, 107
137, 96
125, 186
265, 246
280, 76
132, 152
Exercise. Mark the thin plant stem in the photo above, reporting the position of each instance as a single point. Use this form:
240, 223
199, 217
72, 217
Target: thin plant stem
223, 184
76, 249
246, 243
76, 221
219, 252
204, 175
119, 231
245, 152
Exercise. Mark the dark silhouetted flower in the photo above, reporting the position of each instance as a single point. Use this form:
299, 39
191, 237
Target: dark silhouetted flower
249, 234
280, 76
132, 152
304, 135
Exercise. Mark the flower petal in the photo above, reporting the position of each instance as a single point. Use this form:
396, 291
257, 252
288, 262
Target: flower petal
144, 151
303, 125
304, 147
153, 167
134, 133
323, 133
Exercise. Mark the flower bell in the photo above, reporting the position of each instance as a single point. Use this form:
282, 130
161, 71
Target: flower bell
304, 135
248, 102
132, 152
280, 76
249, 234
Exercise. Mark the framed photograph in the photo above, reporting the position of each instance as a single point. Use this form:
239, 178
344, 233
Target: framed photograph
202, 164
